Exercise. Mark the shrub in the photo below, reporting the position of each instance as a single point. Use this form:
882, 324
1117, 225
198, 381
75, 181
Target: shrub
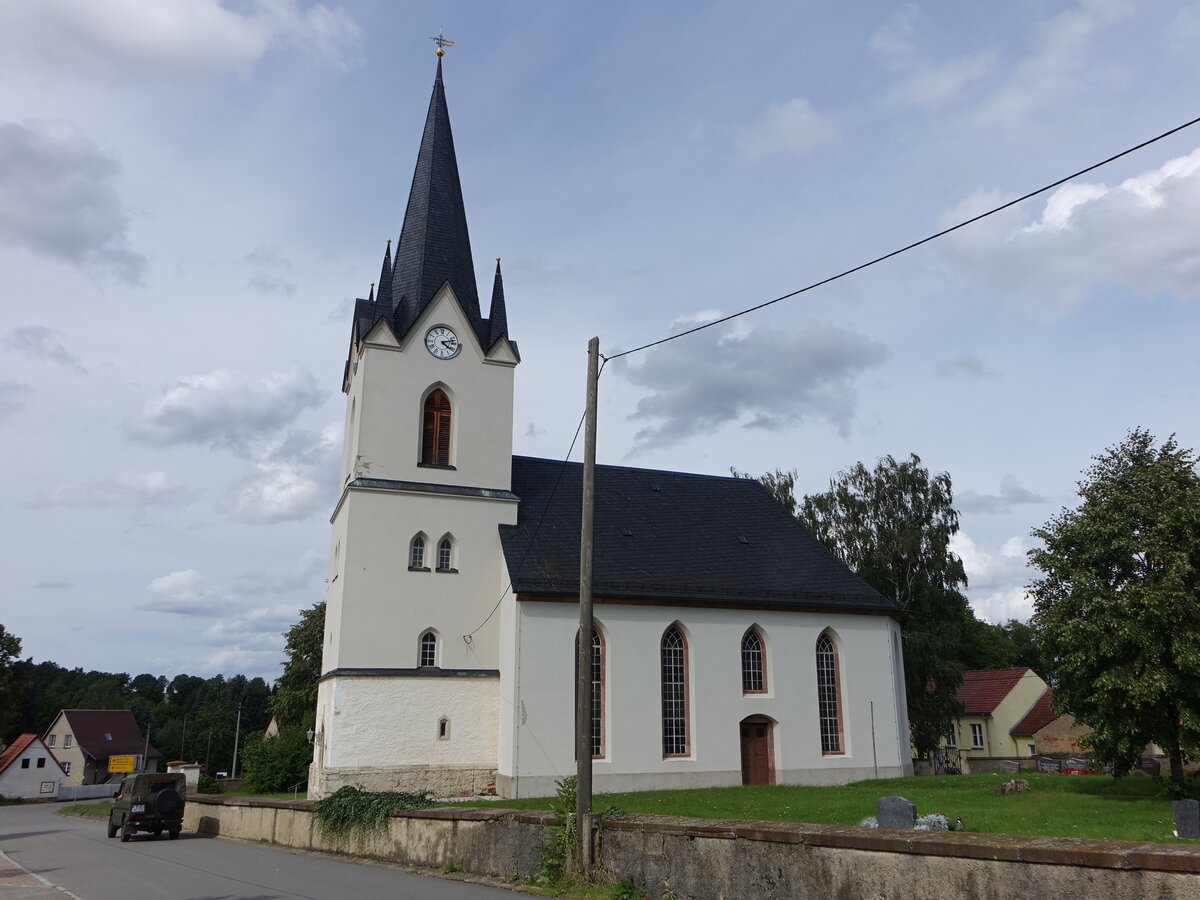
348, 810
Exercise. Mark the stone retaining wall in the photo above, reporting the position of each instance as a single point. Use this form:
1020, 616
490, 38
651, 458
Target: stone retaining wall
702, 859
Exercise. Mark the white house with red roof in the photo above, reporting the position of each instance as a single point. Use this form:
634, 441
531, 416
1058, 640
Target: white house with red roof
28, 770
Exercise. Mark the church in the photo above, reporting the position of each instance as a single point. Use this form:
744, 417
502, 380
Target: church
730, 647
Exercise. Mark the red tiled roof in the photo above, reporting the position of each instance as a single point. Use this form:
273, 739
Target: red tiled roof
15, 749
1039, 716
91, 725
982, 690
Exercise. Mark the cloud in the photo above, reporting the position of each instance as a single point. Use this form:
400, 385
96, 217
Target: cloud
270, 265
1012, 493
52, 585
789, 127
924, 83
308, 570
1139, 233
997, 578
759, 377
42, 343
964, 368
149, 490
225, 409
1053, 68
293, 477
58, 199
12, 398
135, 40
185, 593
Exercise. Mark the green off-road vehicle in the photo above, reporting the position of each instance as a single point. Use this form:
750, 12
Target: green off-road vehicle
148, 802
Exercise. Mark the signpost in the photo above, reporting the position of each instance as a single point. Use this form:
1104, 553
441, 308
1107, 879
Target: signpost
121, 763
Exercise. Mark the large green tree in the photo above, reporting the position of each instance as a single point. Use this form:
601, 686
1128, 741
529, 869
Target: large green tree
295, 700
892, 525
1118, 606
10, 678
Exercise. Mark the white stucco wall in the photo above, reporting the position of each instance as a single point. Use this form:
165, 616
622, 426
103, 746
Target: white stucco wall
542, 749
28, 783
393, 721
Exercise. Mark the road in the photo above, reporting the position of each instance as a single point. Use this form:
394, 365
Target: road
74, 855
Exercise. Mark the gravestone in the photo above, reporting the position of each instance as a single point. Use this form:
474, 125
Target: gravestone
1075, 762
1046, 764
1150, 765
1187, 818
895, 812
1008, 767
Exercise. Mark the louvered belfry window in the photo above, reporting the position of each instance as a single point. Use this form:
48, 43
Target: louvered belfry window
435, 437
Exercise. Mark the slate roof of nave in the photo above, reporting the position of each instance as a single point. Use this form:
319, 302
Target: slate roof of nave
673, 538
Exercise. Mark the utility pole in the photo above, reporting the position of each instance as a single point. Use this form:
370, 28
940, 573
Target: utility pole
237, 733
583, 685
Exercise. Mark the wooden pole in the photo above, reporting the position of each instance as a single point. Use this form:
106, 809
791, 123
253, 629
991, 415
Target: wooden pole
583, 684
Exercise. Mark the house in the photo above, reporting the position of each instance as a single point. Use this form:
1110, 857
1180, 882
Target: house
1043, 731
994, 701
86, 741
730, 646
28, 770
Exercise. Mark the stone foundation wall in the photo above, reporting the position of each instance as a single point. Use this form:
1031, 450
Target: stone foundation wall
441, 781
701, 859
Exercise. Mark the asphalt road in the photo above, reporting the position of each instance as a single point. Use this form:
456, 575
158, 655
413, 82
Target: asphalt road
44, 854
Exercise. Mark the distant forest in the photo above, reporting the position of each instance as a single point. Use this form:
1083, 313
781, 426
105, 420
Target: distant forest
188, 717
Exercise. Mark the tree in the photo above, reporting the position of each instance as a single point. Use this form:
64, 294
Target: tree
273, 764
295, 700
780, 483
1024, 639
10, 652
1117, 607
892, 525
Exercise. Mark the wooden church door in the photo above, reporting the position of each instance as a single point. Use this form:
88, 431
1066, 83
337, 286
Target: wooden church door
756, 751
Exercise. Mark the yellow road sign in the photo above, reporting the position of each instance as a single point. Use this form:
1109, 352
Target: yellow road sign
120, 763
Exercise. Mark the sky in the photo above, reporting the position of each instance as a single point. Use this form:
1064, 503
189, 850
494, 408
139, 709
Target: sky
192, 193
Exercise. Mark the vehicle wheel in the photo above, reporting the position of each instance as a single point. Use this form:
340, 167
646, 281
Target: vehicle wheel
126, 832
168, 803
157, 833
112, 828
173, 833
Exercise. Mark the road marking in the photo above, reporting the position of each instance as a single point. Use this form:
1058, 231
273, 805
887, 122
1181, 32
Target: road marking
13, 873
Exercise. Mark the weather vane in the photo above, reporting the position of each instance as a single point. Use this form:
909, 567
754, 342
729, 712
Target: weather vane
442, 43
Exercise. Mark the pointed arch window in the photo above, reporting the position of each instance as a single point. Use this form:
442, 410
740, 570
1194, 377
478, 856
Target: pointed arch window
428, 651
597, 690
829, 699
435, 433
673, 653
445, 554
416, 553
754, 678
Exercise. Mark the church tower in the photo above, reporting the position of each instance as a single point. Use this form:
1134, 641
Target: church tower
405, 701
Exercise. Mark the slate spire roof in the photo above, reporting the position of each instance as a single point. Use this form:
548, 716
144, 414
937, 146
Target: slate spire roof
434, 247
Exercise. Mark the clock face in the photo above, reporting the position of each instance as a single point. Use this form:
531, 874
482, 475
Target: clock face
442, 342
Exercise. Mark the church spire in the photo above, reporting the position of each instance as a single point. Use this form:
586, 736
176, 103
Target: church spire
384, 295
434, 246
498, 317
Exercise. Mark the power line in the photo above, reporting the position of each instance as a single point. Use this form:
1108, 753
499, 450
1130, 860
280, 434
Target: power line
905, 249
533, 537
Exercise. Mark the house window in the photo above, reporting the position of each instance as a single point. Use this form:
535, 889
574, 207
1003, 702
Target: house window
50, 740
674, 693
107, 736
25, 764
445, 557
597, 690
976, 736
67, 741
435, 433
66, 766
41, 762
951, 738
416, 553
1032, 750
443, 729
428, 649
753, 680
829, 705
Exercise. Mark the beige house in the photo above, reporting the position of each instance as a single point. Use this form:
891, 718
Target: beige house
995, 702
1045, 732
86, 740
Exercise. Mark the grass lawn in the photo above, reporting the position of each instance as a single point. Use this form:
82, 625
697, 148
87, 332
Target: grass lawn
1085, 806
95, 810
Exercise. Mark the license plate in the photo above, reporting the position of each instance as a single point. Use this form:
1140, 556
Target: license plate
138, 807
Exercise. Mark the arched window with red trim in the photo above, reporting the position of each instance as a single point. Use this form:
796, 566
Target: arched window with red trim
674, 693
435, 433
829, 695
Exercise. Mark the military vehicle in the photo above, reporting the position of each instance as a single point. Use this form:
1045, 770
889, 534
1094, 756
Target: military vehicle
148, 802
